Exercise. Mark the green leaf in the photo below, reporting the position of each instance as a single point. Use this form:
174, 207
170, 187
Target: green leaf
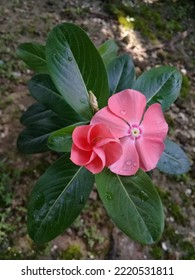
57, 199
33, 55
33, 139
76, 68
34, 113
173, 160
61, 140
133, 204
160, 84
108, 51
44, 91
121, 73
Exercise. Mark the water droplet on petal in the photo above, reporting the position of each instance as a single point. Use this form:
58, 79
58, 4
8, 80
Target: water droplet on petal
108, 195
135, 164
123, 112
128, 162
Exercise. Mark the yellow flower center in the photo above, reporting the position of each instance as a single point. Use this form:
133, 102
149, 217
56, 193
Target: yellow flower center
135, 132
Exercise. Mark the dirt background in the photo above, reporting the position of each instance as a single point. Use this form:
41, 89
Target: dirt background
153, 33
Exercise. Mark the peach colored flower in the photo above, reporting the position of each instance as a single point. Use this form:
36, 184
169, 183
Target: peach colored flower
94, 147
141, 132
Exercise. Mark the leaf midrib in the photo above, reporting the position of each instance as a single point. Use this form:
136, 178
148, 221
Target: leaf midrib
53, 205
161, 86
119, 77
36, 56
172, 157
134, 206
77, 67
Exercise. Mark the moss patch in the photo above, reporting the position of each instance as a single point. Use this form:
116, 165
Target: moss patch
156, 21
72, 253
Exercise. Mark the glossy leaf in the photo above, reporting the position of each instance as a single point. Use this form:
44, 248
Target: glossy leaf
44, 91
133, 204
35, 113
76, 68
33, 54
57, 199
173, 160
121, 73
61, 140
33, 139
160, 84
108, 51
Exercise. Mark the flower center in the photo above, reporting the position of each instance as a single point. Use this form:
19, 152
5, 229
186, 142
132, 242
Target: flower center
135, 131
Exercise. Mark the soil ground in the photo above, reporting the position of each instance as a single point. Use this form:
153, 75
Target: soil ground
153, 33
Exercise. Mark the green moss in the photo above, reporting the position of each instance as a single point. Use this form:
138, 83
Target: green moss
173, 208
176, 213
5, 201
73, 252
169, 234
189, 250
156, 21
93, 236
163, 194
11, 254
183, 178
185, 88
157, 253
170, 121
125, 22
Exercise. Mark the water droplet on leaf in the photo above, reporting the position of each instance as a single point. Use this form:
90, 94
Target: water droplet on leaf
82, 100
177, 156
69, 58
81, 200
108, 195
143, 196
39, 200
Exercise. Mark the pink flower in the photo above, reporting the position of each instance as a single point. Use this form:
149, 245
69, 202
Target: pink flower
94, 147
141, 132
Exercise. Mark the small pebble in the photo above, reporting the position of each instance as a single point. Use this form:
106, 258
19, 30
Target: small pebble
164, 246
188, 192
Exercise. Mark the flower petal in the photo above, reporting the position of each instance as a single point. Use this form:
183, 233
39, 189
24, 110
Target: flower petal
113, 152
154, 125
149, 152
99, 132
128, 163
129, 105
79, 137
80, 157
117, 126
98, 163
